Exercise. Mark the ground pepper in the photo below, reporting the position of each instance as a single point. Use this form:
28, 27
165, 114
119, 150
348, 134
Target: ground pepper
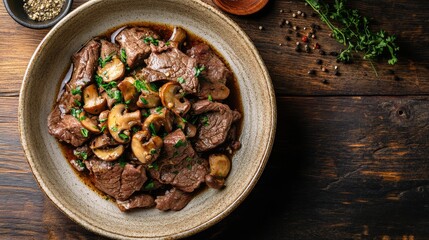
42, 10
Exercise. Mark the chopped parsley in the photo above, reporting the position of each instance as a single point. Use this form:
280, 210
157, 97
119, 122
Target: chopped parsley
145, 113
106, 86
180, 143
75, 112
77, 90
158, 109
102, 62
154, 87
80, 163
115, 129
77, 103
151, 40
149, 186
103, 128
154, 166
144, 101
135, 129
123, 56
82, 155
210, 98
140, 85
204, 120
124, 136
198, 70
180, 80
152, 129
102, 120
122, 162
153, 151
184, 120
84, 132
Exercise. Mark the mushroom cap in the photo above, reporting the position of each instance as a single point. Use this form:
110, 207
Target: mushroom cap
119, 121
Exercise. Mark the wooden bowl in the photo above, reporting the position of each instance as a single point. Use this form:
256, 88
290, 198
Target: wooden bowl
241, 7
58, 180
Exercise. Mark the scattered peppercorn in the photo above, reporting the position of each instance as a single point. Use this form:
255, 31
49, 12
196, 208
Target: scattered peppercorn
396, 78
293, 15
297, 34
261, 27
299, 12
303, 15
321, 52
390, 71
313, 36
307, 48
298, 48
319, 61
295, 28
289, 31
282, 22
280, 44
325, 81
281, 10
311, 72
287, 22
336, 72
305, 39
42, 10
288, 38
333, 54
324, 69
317, 46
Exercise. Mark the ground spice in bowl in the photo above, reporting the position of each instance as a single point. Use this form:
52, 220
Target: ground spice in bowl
42, 10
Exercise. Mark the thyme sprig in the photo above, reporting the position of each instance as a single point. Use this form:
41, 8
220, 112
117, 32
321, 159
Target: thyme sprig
354, 32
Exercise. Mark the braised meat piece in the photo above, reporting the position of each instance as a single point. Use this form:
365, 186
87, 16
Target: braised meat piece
65, 128
132, 41
173, 199
172, 65
137, 201
115, 180
215, 69
216, 120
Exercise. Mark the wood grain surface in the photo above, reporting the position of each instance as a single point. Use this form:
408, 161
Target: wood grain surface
350, 160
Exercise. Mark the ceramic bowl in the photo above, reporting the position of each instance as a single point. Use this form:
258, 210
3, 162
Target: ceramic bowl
58, 180
242, 7
15, 8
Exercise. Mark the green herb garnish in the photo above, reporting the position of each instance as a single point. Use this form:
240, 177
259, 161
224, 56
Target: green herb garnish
198, 70
84, 132
77, 90
205, 120
158, 109
151, 40
149, 186
154, 166
179, 143
102, 62
75, 112
123, 56
180, 80
152, 129
144, 101
210, 98
140, 85
124, 136
354, 32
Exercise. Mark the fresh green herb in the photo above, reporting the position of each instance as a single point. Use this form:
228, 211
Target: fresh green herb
210, 98
102, 62
167, 43
84, 132
151, 40
122, 162
106, 86
75, 112
115, 129
77, 103
205, 120
189, 166
140, 85
188, 159
184, 120
135, 129
179, 143
102, 120
128, 102
103, 128
180, 80
149, 186
77, 90
152, 129
153, 151
158, 109
144, 101
154, 166
124, 136
198, 70
82, 155
145, 113
80, 163
82, 118
354, 32
123, 56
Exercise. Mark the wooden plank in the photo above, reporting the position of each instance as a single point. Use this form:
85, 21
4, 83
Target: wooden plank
350, 167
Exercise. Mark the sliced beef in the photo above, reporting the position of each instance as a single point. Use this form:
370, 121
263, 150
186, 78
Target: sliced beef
171, 65
103, 140
215, 123
65, 128
84, 64
78, 164
114, 180
176, 148
108, 49
173, 199
132, 40
137, 201
215, 70
186, 176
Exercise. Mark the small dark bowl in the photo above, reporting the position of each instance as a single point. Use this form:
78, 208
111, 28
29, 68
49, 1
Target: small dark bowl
15, 8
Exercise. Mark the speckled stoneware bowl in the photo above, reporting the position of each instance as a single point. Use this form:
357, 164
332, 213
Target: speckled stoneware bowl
58, 179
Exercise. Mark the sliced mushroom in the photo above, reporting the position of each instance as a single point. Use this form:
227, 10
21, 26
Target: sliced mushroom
129, 92
220, 165
120, 122
179, 35
217, 91
145, 147
148, 98
102, 119
89, 123
156, 121
112, 71
109, 154
173, 99
214, 182
103, 141
94, 104
189, 129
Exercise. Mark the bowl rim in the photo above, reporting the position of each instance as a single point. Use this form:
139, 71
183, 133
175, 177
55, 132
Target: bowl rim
204, 225
40, 25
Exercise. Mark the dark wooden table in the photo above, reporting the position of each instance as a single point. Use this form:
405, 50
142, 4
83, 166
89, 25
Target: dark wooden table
351, 156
